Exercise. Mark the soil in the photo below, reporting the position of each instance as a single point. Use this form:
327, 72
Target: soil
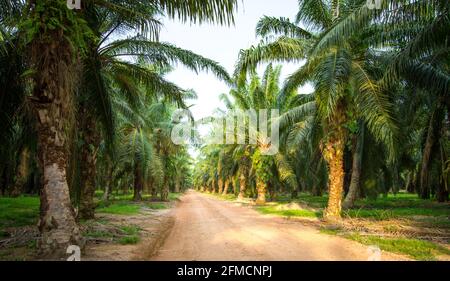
207, 229
154, 228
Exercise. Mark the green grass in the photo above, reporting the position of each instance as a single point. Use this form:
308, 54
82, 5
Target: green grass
272, 210
157, 206
132, 233
228, 197
128, 234
313, 201
21, 211
174, 196
129, 196
99, 234
383, 214
134, 239
120, 208
123, 204
434, 222
392, 206
383, 208
130, 230
417, 249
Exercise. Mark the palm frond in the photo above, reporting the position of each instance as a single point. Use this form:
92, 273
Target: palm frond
280, 26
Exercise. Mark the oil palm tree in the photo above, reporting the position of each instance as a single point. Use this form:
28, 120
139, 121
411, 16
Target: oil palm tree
260, 93
182, 169
341, 76
105, 69
56, 38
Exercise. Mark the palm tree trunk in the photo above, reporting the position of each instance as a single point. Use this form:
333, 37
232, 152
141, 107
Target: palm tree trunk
220, 191
138, 183
442, 192
261, 187
316, 191
355, 181
424, 186
233, 186
165, 189
213, 186
109, 179
227, 185
242, 186
89, 148
177, 186
153, 191
410, 182
22, 173
52, 98
334, 155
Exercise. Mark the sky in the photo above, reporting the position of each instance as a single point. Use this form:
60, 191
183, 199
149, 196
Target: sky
222, 44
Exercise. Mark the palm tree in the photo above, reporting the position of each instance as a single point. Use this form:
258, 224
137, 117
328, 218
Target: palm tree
257, 94
17, 137
182, 163
56, 38
417, 32
342, 78
109, 70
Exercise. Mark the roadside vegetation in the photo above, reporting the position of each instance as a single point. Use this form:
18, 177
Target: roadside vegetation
118, 222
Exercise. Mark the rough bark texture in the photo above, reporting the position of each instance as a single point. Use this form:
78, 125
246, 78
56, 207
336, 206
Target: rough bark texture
355, 181
411, 182
165, 190
220, 191
261, 187
213, 186
442, 192
242, 186
52, 98
226, 187
22, 173
234, 186
154, 191
91, 141
334, 155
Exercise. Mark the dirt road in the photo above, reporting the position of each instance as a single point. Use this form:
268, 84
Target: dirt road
209, 229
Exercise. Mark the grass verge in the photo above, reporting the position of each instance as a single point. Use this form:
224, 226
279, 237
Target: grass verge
20, 211
273, 210
417, 249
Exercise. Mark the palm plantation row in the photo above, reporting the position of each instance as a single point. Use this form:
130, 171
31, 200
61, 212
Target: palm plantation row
84, 103
377, 121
